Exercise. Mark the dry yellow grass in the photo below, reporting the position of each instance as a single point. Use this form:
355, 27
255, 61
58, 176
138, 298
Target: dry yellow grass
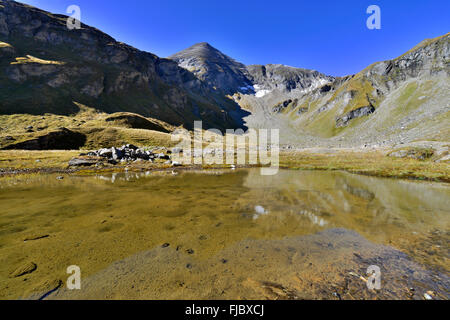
5, 45
374, 163
368, 163
31, 59
22, 159
88, 121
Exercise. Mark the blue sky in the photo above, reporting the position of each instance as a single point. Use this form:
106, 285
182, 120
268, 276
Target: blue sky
328, 36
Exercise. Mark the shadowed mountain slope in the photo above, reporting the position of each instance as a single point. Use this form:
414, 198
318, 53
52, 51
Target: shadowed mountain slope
46, 68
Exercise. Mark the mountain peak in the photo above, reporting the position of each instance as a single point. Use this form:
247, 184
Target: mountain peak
203, 45
220, 71
212, 66
200, 50
200, 46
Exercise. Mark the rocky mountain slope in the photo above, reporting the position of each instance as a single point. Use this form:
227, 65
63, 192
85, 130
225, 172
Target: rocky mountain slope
46, 68
390, 102
49, 70
229, 76
213, 67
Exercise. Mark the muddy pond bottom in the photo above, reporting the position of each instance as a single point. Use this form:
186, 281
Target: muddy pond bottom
224, 235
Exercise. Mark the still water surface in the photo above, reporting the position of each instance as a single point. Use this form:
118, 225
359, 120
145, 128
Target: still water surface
224, 235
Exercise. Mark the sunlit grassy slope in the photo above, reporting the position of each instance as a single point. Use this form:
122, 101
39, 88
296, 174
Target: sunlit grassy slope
100, 129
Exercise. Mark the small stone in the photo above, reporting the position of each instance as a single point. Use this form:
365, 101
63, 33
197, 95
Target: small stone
427, 296
162, 156
165, 245
260, 210
190, 251
59, 178
337, 295
132, 147
189, 266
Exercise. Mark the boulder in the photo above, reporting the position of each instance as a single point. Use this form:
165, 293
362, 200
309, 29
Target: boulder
117, 154
76, 162
162, 156
130, 146
106, 153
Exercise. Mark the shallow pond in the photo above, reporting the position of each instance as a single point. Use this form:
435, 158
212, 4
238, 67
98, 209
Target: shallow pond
224, 235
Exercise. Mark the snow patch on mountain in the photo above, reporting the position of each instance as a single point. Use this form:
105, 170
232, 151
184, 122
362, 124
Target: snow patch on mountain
259, 92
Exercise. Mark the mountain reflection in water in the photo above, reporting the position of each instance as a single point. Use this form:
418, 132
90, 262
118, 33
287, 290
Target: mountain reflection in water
223, 235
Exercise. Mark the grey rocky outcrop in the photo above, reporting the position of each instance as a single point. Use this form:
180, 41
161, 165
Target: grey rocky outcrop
213, 67
357, 113
124, 154
229, 76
